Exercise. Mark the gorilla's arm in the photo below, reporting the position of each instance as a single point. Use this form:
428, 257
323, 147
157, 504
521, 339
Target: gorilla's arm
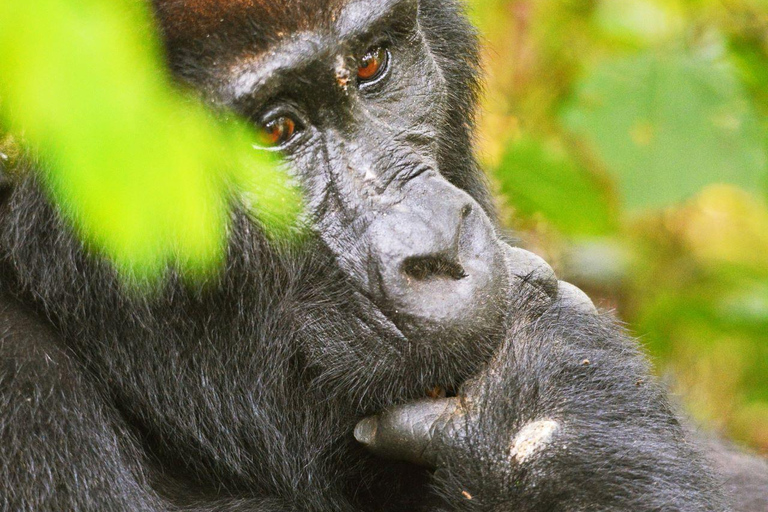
568, 417
61, 446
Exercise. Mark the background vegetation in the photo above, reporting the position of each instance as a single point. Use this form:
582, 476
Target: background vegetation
628, 142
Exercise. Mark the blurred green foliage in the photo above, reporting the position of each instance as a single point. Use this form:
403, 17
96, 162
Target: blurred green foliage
142, 170
629, 143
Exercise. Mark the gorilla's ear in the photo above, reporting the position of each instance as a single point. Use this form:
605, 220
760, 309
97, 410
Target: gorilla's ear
5, 174
8, 149
4, 178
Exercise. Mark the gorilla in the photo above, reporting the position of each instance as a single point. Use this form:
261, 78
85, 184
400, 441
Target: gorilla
403, 356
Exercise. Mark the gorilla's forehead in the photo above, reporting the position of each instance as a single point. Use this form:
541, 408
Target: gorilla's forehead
353, 21
262, 21
256, 25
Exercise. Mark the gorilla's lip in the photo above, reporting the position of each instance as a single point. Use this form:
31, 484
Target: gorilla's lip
381, 319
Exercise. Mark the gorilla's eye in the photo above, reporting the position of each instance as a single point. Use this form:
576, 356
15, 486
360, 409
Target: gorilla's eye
373, 64
278, 131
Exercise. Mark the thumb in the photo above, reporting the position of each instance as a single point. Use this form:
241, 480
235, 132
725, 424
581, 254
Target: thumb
420, 432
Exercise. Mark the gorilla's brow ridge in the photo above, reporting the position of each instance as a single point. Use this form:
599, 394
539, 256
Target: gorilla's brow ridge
357, 18
355, 21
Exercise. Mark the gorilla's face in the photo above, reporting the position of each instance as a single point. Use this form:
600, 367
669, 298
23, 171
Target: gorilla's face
359, 109
370, 102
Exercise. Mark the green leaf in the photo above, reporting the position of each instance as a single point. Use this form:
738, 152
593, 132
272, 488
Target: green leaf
646, 21
143, 172
538, 178
666, 126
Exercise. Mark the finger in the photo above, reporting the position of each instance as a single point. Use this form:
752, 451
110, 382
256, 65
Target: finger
525, 266
572, 297
420, 432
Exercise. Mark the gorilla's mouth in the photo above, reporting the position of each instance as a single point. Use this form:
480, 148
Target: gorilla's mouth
378, 319
515, 269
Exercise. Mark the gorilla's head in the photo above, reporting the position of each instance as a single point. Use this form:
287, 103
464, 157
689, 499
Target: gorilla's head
404, 285
372, 112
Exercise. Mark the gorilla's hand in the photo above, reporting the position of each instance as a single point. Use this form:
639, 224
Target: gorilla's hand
434, 432
566, 416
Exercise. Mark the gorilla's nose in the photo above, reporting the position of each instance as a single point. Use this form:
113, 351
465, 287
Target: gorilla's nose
432, 266
439, 268
436, 245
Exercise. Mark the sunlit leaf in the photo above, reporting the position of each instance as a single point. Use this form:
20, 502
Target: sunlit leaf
145, 173
643, 20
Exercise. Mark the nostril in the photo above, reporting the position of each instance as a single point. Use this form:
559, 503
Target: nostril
423, 268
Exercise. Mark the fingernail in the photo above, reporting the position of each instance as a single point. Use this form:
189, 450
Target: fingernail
365, 431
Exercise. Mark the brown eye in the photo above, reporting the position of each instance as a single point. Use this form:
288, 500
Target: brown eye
373, 64
278, 131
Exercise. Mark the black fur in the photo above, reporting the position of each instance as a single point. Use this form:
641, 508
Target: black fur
242, 393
